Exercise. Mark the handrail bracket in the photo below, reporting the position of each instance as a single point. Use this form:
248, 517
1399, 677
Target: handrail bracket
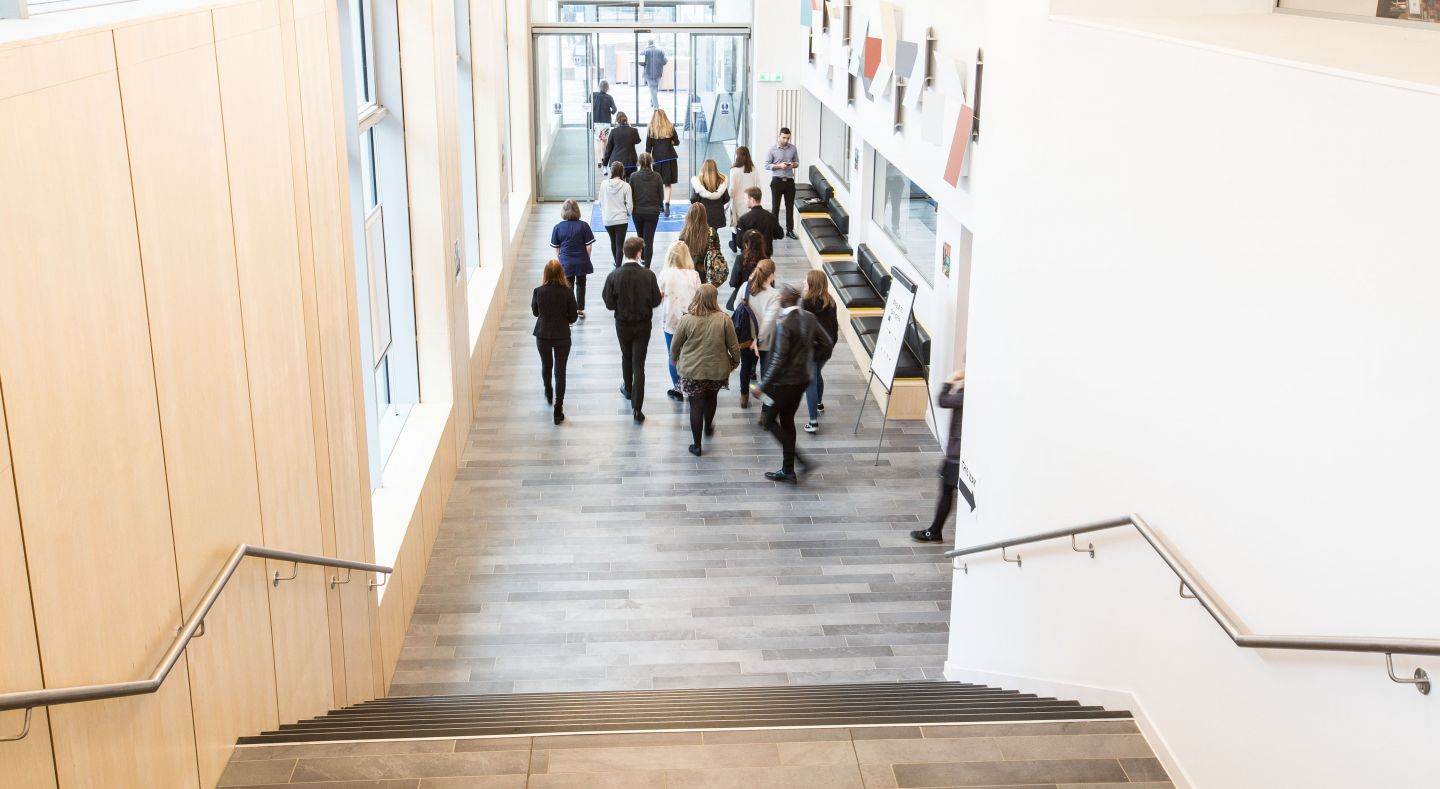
1420, 680
1090, 549
294, 571
1006, 557
25, 729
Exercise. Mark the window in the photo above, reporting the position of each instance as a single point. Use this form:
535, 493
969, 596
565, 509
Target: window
379, 206
835, 144
469, 175
907, 215
1405, 11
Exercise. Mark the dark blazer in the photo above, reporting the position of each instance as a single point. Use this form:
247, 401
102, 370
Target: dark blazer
797, 339
648, 191
554, 308
620, 147
952, 396
763, 221
602, 106
662, 148
632, 292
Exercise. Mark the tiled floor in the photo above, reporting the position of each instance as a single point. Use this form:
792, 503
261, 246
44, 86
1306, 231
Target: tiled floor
1080, 755
600, 555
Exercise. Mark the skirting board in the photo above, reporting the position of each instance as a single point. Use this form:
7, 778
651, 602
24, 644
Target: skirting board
1106, 697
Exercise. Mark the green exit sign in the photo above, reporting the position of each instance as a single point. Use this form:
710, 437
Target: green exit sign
771, 76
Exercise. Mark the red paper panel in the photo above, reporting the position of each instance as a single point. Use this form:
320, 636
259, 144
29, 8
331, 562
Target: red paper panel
872, 57
959, 145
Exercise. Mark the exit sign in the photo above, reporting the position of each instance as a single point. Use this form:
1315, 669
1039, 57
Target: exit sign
770, 76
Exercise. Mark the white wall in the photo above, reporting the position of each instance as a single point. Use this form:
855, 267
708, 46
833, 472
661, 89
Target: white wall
776, 45
1200, 292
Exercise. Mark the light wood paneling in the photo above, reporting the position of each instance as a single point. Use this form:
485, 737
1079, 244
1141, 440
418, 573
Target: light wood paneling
290, 12
28, 762
317, 37
187, 248
261, 171
84, 434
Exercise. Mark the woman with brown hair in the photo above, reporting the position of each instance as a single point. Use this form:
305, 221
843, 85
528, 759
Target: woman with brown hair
704, 248
660, 142
705, 351
818, 302
553, 306
620, 145
647, 194
752, 251
742, 176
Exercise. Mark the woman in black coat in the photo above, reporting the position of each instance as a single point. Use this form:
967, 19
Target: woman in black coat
621, 145
647, 191
660, 142
553, 304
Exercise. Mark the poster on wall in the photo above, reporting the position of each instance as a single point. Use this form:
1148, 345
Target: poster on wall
1413, 10
945, 260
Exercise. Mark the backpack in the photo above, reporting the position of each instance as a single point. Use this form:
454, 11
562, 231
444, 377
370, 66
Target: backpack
717, 268
744, 320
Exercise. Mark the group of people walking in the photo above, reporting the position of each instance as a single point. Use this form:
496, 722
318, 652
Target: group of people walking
778, 336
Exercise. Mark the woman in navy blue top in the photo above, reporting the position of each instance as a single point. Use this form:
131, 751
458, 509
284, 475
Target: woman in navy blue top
572, 240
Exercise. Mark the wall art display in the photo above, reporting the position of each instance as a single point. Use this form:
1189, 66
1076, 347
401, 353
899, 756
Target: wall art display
959, 144
945, 259
807, 12
1414, 10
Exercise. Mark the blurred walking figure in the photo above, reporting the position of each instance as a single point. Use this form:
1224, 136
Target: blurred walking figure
952, 395
798, 338
705, 351
653, 60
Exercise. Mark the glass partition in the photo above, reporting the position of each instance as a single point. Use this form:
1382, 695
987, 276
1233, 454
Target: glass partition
835, 144
664, 11
907, 215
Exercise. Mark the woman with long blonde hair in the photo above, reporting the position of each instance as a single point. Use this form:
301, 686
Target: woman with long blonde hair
712, 192
678, 283
660, 142
817, 301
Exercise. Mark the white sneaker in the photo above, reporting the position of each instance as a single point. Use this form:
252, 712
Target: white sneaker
811, 427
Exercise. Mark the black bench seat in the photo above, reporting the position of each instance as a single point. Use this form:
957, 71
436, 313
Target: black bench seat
829, 232
812, 197
914, 358
861, 283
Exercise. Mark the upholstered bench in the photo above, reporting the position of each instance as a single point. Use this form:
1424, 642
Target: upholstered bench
828, 233
914, 358
814, 197
863, 288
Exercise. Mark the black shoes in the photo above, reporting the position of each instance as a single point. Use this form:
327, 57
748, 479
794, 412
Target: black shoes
674, 394
709, 430
639, 417
695, 450
927, 536
790, 234
559, 415
625, 391
549, 397
782, 476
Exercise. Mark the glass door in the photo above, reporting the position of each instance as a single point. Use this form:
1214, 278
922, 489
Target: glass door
718, 99
566, 158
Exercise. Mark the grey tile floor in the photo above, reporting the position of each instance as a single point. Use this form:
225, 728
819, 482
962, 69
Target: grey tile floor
1089, 755
600, 555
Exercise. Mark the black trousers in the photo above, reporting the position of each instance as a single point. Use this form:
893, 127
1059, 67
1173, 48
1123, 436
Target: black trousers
748, 362
943, 507
617, 241
634, 339
787, 399
702, 413
577, 286
645, 228
783, 187
553, 356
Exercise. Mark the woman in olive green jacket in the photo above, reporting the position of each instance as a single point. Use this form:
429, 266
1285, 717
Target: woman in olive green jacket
705, 351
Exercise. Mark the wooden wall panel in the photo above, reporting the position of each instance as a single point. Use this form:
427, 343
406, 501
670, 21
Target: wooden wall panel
316, 37
187, 249
290, 11
84, 434
28, 762
267, 248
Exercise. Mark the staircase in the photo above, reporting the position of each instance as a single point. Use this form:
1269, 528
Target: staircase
912, 703
870, 736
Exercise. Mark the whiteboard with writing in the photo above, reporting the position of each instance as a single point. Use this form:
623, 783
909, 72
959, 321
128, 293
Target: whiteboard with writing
890, 343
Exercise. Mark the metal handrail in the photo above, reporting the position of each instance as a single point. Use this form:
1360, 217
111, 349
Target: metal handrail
51, 696
1223, 616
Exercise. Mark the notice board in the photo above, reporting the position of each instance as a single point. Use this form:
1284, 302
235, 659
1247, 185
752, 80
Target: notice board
891, 341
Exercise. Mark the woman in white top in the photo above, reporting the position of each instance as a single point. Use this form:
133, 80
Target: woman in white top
678, 283
742, 176
759, 294
616, 204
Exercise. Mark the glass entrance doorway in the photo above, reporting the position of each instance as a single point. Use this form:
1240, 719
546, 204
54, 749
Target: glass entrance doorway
699, 78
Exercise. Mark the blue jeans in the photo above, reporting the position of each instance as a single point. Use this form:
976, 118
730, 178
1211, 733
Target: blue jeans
815, 392
674, 374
